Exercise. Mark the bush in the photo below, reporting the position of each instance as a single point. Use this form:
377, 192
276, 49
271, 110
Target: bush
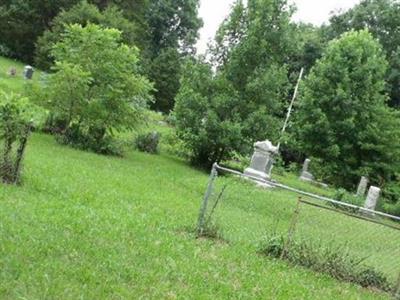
215, 121
334, 261
391, 191
96, 89
106, 145
148, 142
17, 118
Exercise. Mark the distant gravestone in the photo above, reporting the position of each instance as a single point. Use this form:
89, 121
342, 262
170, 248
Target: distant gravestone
362, 186
28, 72
305, 173
12, 72
372, 198
261, 161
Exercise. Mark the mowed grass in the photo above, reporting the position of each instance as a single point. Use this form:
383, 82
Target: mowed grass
14, 83
84, 226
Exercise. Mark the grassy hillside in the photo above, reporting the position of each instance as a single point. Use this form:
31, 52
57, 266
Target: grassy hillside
13, 83
85, 226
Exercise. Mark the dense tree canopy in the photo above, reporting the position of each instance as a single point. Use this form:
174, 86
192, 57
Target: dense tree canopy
23, 21
173, 30
245, 100
343, 119
382, 19
82, 13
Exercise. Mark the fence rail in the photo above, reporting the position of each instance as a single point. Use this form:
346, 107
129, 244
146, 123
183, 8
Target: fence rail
371, 239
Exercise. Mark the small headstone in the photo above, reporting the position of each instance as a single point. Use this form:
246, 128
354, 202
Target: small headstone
305, 174
362, 186
261, 161
372, 198
28, 72
12, 72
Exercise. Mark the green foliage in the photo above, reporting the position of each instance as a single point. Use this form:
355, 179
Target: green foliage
96, 88
21, 22
335, 261
173, 30
343, 119
207, 115
17, 118
148, 142
223, 113
165, 71
382, 19
82, 13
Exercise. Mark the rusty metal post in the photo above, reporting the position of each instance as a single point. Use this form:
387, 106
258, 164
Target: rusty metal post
203, 209
292, 229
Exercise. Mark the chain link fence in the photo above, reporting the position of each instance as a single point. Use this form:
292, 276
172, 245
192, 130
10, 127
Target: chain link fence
348, 242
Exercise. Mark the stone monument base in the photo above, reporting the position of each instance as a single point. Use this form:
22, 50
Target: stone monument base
258, 174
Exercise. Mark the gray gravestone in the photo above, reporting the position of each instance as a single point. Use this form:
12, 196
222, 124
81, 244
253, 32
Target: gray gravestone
362, 186
305, 174
12, 72
372, 198
28, 72
261, 161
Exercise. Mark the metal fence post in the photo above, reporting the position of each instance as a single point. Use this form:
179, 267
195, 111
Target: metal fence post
203, 209
397, 289
292, 229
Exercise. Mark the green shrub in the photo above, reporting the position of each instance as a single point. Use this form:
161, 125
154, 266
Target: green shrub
346, 197
392, 209
96, 88
17, 119
148, 142
335, 261
391, 191
96, 142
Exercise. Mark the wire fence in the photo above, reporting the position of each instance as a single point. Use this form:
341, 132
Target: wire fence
348, 242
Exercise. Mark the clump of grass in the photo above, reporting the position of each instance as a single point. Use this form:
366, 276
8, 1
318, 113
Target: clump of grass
335, 261
211, 230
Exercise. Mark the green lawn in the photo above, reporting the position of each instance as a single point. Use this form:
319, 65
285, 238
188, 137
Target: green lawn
14, 83
85, 226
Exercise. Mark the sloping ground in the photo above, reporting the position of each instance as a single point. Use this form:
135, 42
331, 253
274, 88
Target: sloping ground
85, 226
14, 83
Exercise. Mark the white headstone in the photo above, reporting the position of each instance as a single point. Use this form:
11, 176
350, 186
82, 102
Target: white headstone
305, 174
28, 72
372, 197
261, 160
362, 186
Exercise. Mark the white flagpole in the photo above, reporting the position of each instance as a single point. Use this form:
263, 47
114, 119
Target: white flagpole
289, 112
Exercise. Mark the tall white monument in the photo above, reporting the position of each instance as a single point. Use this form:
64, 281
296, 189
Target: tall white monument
261, 161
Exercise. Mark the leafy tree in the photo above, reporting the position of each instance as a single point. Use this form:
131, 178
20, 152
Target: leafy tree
218, 115
82, 13
382, 19
173, 30
165, 69
207, 115
96, 88
343, 119
22, 21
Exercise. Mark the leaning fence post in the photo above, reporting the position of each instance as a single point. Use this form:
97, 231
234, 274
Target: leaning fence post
292, 229
397, 289
203, 209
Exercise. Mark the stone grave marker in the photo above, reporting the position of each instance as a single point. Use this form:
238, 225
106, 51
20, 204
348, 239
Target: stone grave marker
372, 198
261, 161
28, 72
362, 186
305, 174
